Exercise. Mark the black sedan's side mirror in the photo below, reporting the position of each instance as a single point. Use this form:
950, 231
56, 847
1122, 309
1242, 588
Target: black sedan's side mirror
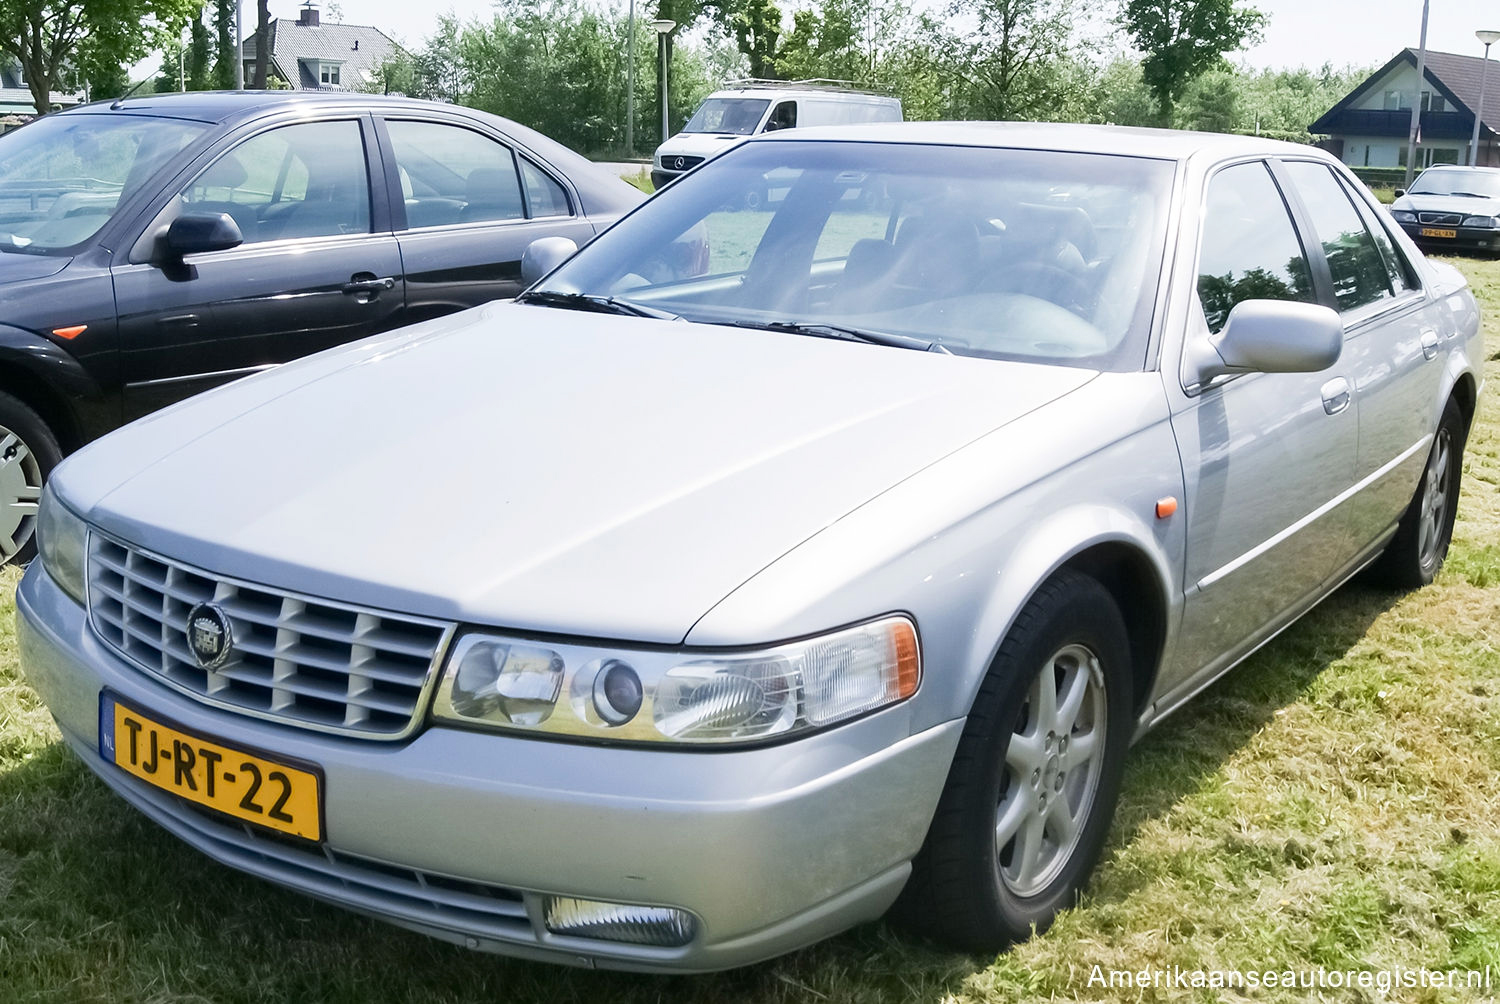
193, 233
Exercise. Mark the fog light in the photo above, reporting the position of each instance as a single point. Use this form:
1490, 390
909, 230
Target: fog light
617, 693
636, 925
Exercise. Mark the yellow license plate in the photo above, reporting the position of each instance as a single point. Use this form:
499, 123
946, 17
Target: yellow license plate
248, 786
1435, 232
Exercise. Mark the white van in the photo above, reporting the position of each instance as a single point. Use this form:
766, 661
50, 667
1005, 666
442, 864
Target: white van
726, 118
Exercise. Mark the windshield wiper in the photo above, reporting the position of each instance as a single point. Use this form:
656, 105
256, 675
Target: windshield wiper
1472, 195
595, 302
822, 329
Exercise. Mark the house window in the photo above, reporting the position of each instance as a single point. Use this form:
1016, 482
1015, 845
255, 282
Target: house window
1433, 102
1392, 101
329, 74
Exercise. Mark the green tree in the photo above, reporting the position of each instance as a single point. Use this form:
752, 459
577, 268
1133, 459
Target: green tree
226, 53
1211, 103
48, 36
1182, 39
1009, 64
199, 56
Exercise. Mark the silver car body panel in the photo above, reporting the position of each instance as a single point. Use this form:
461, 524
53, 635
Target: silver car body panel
947, 488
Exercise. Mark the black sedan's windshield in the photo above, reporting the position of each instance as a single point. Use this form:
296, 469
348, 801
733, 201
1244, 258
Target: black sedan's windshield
1015, 254
1458, 181
62, 176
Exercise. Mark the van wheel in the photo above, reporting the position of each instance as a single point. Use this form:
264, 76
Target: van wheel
28, 452
1033, 786
1416, 553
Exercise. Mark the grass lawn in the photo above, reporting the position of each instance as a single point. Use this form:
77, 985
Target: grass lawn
1332, 803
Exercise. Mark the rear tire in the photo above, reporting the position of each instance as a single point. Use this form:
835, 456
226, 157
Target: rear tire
1033, 786
28, 452
1416, 553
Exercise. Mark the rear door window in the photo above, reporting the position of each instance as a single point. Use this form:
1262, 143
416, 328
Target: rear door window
1360, 273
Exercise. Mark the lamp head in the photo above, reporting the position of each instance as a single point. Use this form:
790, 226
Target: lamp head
1487, 37
664, 26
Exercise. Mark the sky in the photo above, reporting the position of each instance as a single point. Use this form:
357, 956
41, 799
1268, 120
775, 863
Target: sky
1299, 33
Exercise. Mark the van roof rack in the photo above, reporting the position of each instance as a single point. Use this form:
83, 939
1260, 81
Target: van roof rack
811, 84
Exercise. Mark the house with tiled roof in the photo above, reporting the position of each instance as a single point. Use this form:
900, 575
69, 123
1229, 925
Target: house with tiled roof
1371, 125
311, 56
16, 104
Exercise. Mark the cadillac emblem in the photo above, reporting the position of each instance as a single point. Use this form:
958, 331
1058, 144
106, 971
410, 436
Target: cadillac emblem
208, 635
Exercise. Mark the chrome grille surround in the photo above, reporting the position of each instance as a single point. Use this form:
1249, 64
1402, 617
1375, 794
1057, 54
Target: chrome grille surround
297, 660
1449, 219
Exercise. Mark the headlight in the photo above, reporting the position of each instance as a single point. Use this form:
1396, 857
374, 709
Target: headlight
62, 542
703, 696
1479, 221
1403, 216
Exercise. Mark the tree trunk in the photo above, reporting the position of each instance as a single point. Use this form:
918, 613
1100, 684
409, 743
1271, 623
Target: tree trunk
262, 37
38, 81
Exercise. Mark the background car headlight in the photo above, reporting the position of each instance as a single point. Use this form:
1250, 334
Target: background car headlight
62, 543
1403, 216
655, 696
1479, 221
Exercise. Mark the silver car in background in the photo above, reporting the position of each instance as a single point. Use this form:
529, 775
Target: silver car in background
765, 568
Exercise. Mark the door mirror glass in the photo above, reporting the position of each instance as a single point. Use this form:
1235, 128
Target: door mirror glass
543, 255
193, 233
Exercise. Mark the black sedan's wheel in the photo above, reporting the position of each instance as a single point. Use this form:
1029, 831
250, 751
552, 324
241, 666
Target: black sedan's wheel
1416, 554
1033, 785
28, 452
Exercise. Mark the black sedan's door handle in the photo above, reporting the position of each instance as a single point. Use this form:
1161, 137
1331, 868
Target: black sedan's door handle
368, 282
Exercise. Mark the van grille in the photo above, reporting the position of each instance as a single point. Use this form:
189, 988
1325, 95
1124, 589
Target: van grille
294, 659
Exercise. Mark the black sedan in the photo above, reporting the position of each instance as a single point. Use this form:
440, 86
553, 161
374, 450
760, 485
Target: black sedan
154, 247
1452, 208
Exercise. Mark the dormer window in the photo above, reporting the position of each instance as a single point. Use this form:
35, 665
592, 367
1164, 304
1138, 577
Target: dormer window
328, 73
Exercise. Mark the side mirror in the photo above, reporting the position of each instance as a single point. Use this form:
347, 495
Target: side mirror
1400, 192
1269, 336
192, 233
543, 255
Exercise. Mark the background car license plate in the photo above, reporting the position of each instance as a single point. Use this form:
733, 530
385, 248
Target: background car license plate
1438, 232
245, 785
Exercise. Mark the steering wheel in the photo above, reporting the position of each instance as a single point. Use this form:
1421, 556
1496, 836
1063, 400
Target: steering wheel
1057, 284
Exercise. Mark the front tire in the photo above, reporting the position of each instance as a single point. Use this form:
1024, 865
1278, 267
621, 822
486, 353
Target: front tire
1033, 786
28, 452
1416, 553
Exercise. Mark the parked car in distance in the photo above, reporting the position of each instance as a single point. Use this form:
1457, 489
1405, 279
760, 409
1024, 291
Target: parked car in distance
751, 107
763, 588
1452, 207
153, 247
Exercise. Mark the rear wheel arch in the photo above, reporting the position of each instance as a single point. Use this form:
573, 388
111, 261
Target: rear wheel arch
1465, 394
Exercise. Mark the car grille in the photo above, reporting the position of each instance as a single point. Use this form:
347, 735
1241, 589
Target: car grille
395, 892
680, 163
294, 659
1452, 219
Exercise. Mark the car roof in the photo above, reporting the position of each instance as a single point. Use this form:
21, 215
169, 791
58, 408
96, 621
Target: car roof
836, 93
1165, 144
221, 106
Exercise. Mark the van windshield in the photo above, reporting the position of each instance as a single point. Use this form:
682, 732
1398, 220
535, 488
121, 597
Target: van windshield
739, 116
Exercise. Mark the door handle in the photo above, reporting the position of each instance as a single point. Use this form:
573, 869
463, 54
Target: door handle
1429, 343
368, 282
1335, 395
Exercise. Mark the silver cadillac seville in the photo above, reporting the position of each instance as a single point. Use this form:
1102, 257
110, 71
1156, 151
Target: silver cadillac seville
758, 571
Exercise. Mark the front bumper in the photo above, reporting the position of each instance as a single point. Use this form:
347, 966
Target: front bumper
1465, 238
460, 834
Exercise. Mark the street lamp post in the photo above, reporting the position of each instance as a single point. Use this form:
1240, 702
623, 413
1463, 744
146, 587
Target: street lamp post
1489, 38
630, 84
663, 29
1416, 104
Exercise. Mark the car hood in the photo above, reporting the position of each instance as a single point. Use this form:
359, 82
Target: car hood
17, 266
541, 469
1469, 205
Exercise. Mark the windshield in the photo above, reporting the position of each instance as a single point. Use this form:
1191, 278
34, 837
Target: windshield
739, 116
62, 176
1013, 254
1485, 184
